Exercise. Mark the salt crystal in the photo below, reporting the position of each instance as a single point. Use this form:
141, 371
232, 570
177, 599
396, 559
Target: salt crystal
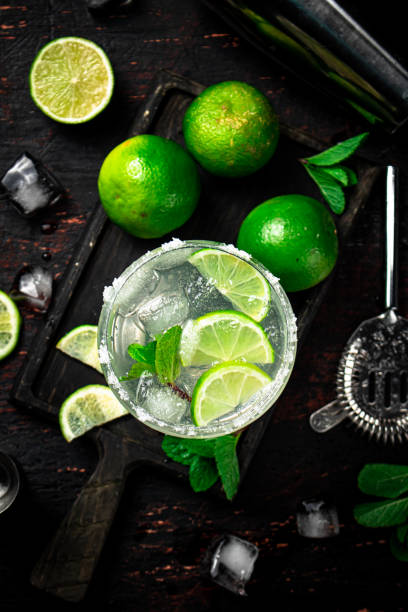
174, 243
230, 248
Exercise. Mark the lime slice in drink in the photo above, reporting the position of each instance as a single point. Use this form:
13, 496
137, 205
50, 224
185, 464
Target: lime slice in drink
10, 324
224, 335
223, 387
71, 79
81, 343
86, 408
238, 280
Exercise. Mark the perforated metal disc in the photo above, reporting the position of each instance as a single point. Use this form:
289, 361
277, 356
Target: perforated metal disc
372, 377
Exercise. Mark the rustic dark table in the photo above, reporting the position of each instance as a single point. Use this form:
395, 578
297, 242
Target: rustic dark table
153, 554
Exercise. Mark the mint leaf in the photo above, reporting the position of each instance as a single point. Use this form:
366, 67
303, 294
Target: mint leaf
176, 450
345, 176
208, 460
339, 152
167, 360
329, 188
144, 354
401, 533
202, 474
227, 463
385, 513
383, 480
398, 548
205, 448
137, 370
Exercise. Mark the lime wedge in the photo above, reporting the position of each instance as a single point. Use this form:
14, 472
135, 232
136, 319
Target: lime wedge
10, 324
238, 280
224, 335
71, 79
223, 387
81, 343
86, 408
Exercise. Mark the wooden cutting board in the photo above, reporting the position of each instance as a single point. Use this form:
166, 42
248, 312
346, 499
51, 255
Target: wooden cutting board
48, 376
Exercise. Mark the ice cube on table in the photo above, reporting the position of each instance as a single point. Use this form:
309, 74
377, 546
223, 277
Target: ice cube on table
317, 518
30, 186
162, 312
33, 285
231, 562
106, 6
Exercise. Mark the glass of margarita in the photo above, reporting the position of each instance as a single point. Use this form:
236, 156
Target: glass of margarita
237, 338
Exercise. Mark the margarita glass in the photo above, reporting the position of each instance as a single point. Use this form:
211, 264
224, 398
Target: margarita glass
162, 289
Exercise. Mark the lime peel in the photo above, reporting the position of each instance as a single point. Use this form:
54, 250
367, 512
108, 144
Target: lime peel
223, 387
71, 79
10, 325
81, 343
88, 407
238, 280
224, 335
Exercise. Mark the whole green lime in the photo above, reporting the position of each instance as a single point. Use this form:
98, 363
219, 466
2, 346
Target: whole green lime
295, 237
231, 129
149, 185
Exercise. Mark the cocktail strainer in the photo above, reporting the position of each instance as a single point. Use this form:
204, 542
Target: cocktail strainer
372, 375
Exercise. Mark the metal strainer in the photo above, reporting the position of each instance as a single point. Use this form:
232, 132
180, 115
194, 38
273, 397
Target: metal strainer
372, 375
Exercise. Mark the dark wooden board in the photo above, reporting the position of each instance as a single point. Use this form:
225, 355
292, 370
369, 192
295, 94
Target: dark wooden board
104, 250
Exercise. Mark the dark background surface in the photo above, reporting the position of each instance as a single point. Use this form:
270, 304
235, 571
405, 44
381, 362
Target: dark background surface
152, 559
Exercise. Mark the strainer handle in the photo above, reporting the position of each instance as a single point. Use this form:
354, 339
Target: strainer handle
391, 288
326, 418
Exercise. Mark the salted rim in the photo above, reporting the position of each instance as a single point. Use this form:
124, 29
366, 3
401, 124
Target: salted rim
260, 401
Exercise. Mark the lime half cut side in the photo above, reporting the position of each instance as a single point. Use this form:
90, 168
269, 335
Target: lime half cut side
224, 335
71, 79
235, 278
81, 343
10, 325
88, 407
224, 387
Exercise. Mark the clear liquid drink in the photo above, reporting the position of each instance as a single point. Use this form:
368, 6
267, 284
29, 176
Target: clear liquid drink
163, 289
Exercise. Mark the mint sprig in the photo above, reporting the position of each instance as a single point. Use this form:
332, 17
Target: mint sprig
167, 360
208, 461
391, 483
330, 175
158, 357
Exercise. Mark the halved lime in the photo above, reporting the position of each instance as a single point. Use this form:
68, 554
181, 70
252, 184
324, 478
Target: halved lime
235, 278
71, 79
81, 343
86, 408
223, 387
10, 324
224, 335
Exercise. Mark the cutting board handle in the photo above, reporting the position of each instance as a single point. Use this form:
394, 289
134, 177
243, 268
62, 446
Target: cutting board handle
66, 566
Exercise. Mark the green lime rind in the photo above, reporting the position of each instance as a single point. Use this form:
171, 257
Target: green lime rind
238, 280
81, 343
71, 80
10, 325
224, 387
224, 335
149, 185
86, 408
295, 237
231, 129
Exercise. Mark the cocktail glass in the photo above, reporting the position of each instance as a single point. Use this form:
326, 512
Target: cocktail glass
162, 289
